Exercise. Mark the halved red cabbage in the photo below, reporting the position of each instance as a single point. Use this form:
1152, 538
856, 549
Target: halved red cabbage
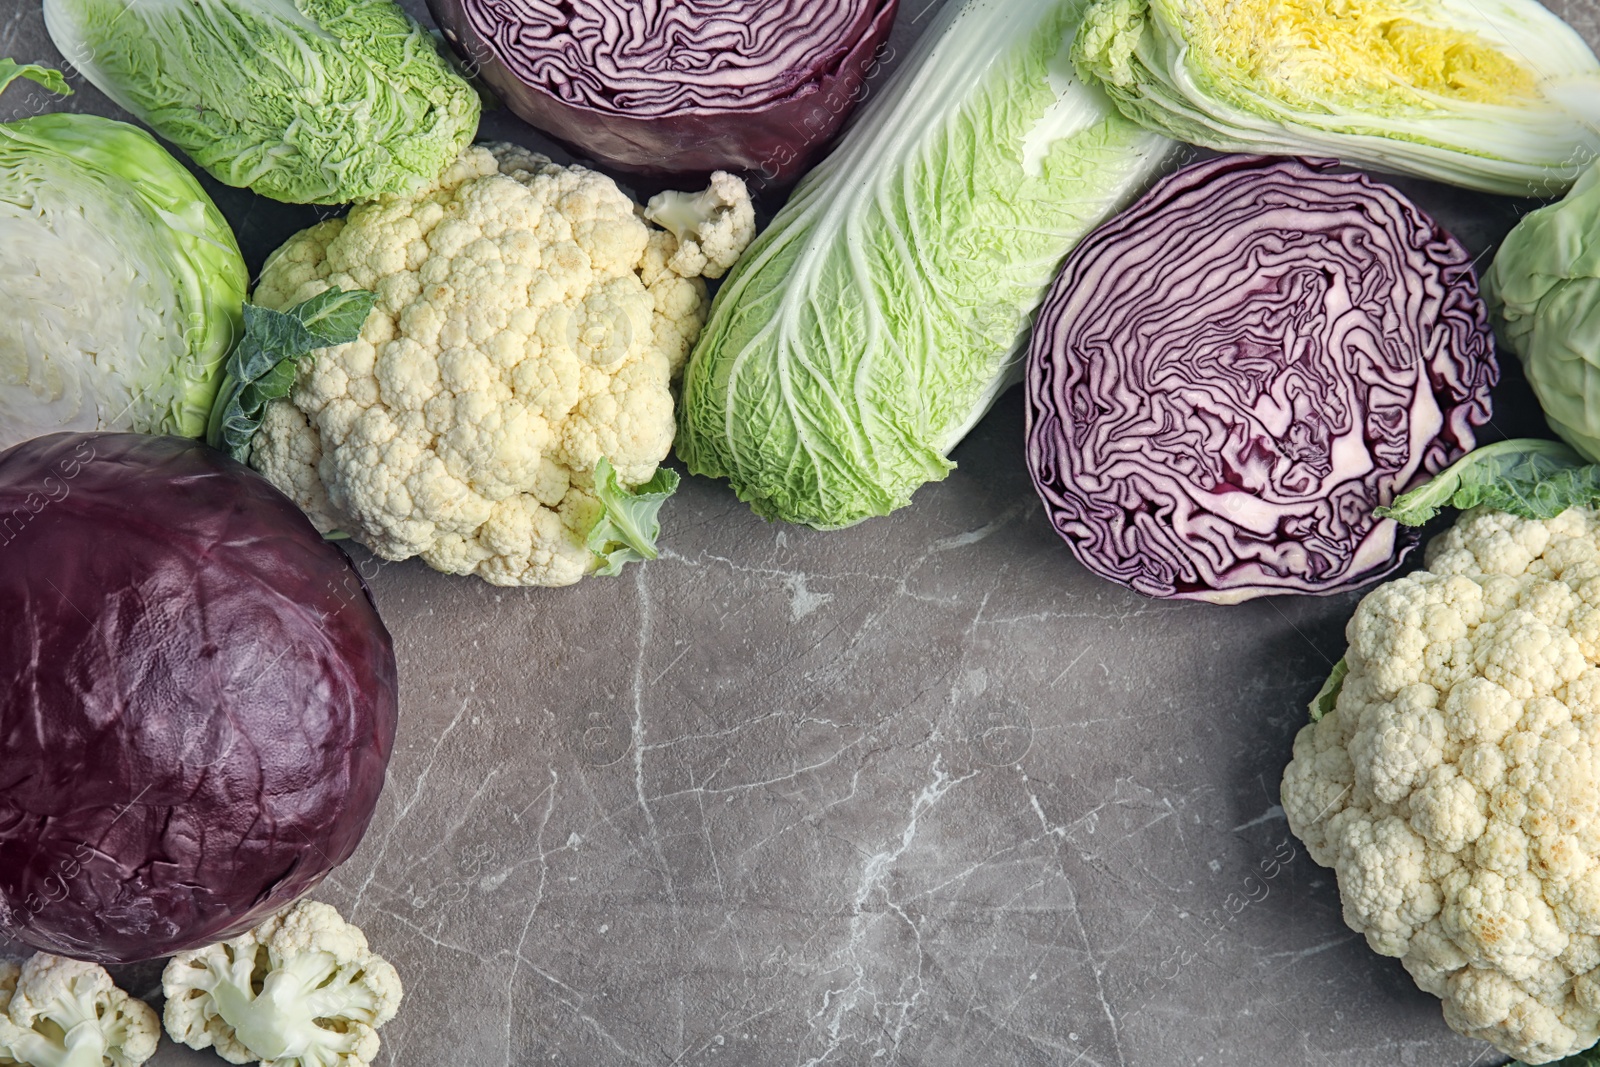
1231, 375
692, 86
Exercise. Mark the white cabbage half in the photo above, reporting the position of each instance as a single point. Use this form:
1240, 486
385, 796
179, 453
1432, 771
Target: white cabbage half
120, 283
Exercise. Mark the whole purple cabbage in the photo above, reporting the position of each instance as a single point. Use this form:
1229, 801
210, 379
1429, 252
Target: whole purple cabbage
758, 86
197, 698
1230, 376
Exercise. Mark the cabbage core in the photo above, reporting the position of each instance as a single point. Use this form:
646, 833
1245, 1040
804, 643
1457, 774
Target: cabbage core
1328, 52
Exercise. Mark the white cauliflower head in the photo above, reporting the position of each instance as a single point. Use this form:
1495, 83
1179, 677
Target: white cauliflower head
300, 990
56, 1012
529, 324
1455, 787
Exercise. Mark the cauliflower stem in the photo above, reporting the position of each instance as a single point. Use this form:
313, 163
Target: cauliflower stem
300, 990
57, 1012
279, 1020
713, 228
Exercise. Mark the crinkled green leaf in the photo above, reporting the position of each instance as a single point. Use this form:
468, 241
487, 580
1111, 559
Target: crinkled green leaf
262, 367
869, 328
49, 77
1533, 479
1328, 696
305, 101
627, 532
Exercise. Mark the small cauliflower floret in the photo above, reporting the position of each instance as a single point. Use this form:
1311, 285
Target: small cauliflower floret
529, 324
300, 990
713, 228
57, 1012
1455, 785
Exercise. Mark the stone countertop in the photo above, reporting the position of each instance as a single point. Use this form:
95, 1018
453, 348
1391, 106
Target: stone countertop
919, 792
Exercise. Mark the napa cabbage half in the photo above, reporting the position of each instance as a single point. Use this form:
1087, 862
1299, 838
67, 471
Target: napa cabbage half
877, 319
1497, 95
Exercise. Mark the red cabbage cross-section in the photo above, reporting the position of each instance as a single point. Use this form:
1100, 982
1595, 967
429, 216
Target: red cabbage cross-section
677, 86
1229, 378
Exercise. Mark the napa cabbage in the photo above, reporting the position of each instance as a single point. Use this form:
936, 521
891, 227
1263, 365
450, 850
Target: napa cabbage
877, 319
1497, 95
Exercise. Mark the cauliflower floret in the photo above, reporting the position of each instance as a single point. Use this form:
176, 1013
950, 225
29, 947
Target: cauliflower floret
57, 1012
713, 228
1455, 785
529, 324
300, 990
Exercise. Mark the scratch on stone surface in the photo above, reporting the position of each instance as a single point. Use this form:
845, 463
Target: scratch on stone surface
983, 533
464, 810
435, 940
986, 863
715, 735
687, 648
1042, 1042
1300, 954
9, 34
1068, 668
646, 633
745, 787
711, 845
1117, 614
1272, 814
838, 1004
639, 732
811, 816
784, 576
1044, 820
575, 1005
1097, 969
533, 909
802, 601
781, 574
733, 1026
418, 790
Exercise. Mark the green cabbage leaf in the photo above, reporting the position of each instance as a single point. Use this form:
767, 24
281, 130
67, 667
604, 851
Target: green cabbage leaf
1497, 95
630, 525
275, 345
1529, 478
1543, 292
870, 327
121, 286
304, 101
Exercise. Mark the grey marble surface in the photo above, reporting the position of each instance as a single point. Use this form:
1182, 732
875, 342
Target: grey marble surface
922, 792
